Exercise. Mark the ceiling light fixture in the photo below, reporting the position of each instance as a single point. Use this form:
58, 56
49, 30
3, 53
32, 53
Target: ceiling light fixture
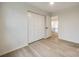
51, 3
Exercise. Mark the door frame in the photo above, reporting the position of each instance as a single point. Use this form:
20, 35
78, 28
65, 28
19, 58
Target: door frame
28, 24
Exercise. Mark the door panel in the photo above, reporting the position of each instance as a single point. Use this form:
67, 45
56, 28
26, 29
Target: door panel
48, 26
36, 27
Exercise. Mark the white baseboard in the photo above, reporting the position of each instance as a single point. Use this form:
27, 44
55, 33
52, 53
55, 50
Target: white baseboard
69, 40
14, 49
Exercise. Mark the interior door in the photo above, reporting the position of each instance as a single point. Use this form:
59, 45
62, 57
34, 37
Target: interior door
36, 27
48, 26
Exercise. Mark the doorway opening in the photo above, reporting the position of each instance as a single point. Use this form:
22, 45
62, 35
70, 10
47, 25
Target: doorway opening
54, 25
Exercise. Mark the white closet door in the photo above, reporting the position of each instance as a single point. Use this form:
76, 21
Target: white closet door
48, 25
36, 27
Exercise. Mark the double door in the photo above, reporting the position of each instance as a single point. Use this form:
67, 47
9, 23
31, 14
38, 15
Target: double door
36, 27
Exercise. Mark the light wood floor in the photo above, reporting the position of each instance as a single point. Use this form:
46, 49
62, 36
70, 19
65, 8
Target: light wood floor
51, 47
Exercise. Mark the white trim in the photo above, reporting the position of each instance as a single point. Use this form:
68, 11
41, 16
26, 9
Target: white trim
27, 28
14, 49
35, 12
69, 40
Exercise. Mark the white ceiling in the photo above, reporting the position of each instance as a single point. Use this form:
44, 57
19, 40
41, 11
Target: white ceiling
53, 8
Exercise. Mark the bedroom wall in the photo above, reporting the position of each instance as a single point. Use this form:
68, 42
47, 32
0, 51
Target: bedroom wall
69, 24
14, 25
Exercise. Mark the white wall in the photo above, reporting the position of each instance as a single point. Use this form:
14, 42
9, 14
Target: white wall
69, 24
14, 25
